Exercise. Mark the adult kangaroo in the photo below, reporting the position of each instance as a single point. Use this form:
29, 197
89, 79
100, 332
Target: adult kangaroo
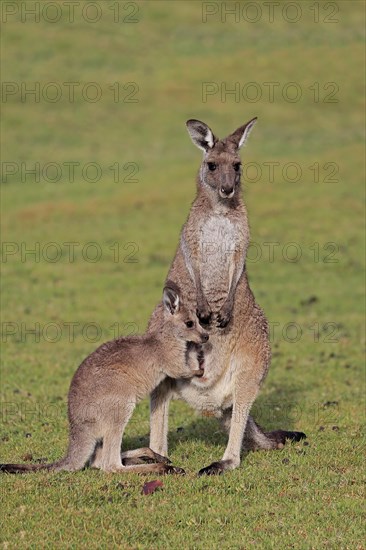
210, 267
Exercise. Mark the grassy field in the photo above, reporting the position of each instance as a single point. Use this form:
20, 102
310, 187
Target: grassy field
101, 251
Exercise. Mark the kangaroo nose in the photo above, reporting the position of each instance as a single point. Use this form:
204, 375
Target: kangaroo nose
205, 337
226, 190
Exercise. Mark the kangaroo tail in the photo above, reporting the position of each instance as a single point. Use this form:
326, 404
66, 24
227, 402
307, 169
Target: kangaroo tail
78, 454
26, 468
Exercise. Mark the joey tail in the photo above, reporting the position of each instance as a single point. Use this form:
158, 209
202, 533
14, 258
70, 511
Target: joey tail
27, 468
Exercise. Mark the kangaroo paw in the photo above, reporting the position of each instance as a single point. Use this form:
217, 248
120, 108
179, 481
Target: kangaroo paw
224, 315
204, 317
204, 312
223, 320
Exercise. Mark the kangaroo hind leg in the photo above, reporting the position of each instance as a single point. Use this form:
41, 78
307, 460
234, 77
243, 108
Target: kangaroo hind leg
256, 439
81, 447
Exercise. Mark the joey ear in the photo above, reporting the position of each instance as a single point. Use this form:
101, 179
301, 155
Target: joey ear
240, 135
171, 299
201, 134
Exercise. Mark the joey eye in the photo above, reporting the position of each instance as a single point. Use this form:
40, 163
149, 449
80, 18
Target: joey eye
211, 166
189, 324
237, 166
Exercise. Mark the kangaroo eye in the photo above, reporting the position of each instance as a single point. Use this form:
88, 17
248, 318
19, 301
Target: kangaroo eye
237, 166
211, 166
189, 324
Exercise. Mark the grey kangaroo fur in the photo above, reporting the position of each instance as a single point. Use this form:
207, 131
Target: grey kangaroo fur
109, 382
210, 267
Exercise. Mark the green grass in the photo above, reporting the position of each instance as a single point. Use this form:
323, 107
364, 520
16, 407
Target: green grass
301, 497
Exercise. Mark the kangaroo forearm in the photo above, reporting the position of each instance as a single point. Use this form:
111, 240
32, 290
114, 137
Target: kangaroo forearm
238, 271
199, 291
225, 313
193, 266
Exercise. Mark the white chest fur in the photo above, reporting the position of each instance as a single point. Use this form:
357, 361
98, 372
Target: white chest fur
220, 243
219, 238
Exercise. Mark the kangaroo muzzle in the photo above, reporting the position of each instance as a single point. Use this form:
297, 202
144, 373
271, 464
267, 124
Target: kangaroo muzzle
226, 192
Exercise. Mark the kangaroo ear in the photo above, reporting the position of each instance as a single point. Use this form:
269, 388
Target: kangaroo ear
240, 135
171, 299
201, 134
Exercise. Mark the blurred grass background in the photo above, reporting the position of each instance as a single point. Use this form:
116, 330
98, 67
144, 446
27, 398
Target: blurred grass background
297, 498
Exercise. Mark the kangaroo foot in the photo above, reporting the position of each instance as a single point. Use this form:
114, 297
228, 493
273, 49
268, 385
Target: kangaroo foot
216, 468
279, 437
143, 455
173, 470
159, 469
135, 461
160, 459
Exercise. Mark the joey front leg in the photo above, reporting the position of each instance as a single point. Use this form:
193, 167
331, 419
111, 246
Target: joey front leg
159, 411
